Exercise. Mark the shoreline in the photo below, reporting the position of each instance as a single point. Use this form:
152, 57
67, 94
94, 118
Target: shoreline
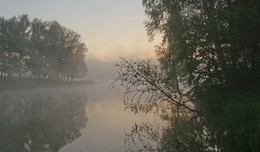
27, 83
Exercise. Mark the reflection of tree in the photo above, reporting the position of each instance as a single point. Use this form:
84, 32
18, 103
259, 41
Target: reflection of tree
33, 122
143, 137
185, 132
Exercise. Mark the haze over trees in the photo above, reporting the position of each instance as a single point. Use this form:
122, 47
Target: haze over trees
40, 49
210, 56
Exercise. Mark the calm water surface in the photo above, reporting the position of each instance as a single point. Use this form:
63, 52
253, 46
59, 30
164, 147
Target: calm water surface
71, 119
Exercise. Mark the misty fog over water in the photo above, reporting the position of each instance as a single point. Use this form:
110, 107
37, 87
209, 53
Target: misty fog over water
99, 71
133, 76
89, 117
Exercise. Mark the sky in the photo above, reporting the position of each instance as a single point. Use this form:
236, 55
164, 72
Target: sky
109, 28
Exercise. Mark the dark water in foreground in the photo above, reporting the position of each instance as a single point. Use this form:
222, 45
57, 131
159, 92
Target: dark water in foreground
78, 118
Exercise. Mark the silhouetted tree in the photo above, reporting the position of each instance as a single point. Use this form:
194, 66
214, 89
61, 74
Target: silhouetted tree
216, 41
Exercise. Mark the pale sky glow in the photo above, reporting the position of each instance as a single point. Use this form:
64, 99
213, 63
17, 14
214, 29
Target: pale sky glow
109, 28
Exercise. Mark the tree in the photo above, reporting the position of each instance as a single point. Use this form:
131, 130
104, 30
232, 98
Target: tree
55, 47
37, 61
215, 40
74, 56
3, 51
22, 41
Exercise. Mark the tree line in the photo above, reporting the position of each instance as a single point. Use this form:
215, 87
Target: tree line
40, 49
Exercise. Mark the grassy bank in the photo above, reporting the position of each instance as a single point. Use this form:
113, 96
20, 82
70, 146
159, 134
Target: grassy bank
242, 122
18, 83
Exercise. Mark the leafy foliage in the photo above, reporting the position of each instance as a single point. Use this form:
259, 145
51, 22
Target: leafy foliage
40, 49
144, 80
217, 41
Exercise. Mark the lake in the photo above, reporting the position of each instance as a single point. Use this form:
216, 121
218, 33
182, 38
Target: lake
77, 118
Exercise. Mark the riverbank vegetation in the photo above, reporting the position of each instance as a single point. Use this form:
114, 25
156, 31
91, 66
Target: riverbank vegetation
209, 73
40, 49
27, 83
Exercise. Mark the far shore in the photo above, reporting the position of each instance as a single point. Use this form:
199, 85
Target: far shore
24, 83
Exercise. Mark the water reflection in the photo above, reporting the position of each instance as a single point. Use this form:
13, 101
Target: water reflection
181, 131
41, 119
108, 121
